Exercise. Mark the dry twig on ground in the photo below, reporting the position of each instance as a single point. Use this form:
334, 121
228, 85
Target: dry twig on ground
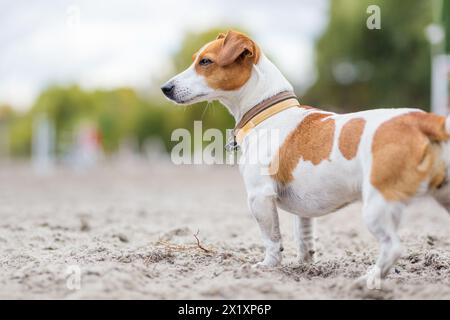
198, 242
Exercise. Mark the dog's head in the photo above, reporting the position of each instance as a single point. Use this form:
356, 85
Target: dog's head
219, 68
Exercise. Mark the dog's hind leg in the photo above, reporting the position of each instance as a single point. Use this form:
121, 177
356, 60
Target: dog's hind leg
382, 218
442, 191
304, 235
265, 212
442, 195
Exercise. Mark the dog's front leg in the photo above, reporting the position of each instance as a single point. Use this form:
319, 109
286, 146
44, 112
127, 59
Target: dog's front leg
265, 212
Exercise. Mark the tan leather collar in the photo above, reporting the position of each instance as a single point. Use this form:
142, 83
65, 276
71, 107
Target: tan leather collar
263, 111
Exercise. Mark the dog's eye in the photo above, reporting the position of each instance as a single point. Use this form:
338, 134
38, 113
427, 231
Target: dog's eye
205, 62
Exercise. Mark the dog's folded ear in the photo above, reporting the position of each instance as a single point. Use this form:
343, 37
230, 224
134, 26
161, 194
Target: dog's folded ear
221, 36
236, 45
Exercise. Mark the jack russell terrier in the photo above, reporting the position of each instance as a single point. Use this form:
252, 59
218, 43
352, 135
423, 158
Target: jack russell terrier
322, 160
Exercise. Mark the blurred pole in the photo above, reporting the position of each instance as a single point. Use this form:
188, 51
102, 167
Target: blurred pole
439, 84
437, 34
43, 145
87, 146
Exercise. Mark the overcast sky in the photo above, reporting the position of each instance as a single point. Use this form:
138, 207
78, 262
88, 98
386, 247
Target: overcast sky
112, 43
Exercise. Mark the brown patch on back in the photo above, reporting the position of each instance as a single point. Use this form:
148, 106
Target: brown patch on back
405, 154
233, 56
311, 141
350, 137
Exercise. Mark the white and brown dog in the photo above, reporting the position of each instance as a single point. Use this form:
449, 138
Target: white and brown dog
323, 160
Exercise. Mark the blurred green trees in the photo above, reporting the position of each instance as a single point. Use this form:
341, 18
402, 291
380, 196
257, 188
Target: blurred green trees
359, 68
118, 114
6, 112
445, 20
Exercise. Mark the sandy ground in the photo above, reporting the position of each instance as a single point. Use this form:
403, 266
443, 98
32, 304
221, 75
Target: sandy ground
129, 232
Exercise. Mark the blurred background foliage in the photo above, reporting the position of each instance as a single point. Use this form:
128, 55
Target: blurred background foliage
357, 69
360, 68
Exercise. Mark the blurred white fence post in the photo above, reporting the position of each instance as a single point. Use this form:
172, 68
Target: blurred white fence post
440, 83
440, 69
87, 149
43, 145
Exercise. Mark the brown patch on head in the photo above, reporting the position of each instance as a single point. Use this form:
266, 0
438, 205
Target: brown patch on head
350, 137
311, 141
232, 56
404, 154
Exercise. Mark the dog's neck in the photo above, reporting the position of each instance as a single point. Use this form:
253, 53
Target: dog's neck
265, 81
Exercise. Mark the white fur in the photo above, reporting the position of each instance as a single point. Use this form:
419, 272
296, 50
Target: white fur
447, 125
317, 189
190, 87
265, 81
442, 195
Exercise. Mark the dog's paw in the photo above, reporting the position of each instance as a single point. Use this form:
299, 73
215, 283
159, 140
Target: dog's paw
306, 257
262, 265
360, 283
372, 280
367, 287
267, 263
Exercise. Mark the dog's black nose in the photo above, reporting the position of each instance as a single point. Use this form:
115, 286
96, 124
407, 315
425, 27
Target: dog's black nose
167, 89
